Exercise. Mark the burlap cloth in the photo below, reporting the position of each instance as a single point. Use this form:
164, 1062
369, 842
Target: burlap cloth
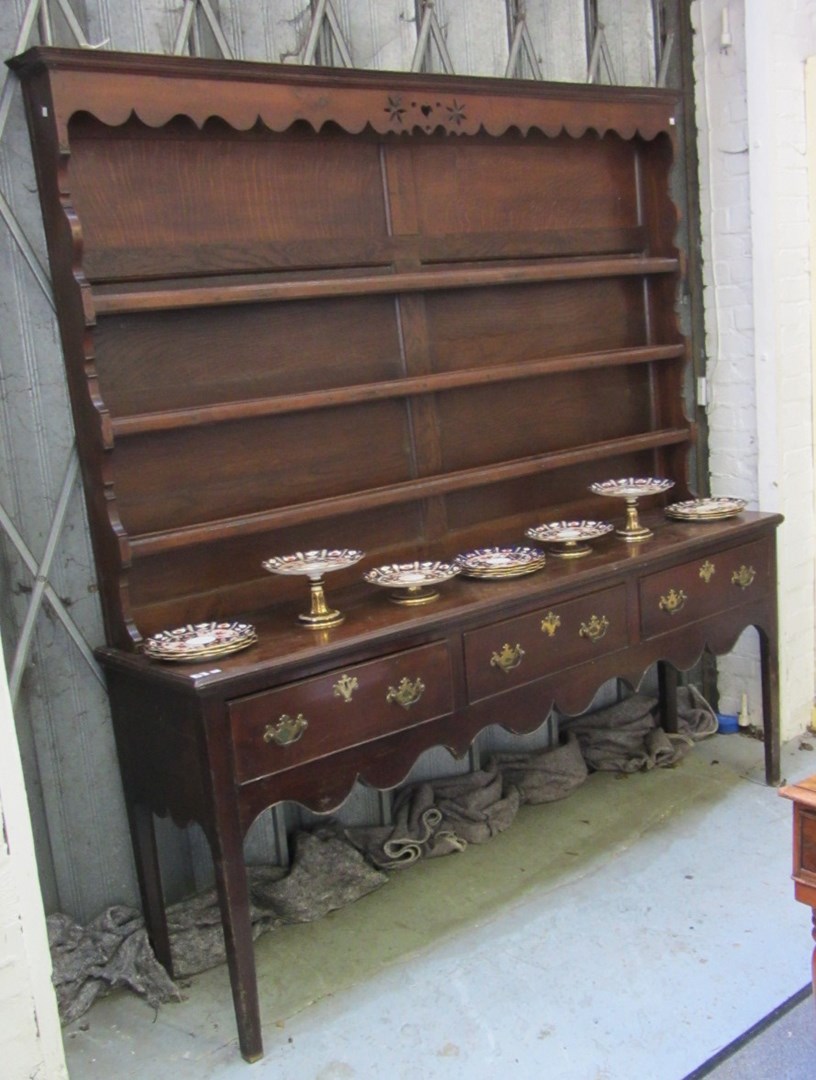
333, 866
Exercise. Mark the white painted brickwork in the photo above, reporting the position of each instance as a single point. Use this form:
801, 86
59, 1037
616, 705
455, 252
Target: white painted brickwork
30, 1040
754, 199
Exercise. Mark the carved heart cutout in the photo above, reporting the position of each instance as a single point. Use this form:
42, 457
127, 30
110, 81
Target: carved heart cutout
426, 110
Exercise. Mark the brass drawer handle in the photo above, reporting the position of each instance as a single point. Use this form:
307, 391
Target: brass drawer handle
595, 628
550, 623
509, 657
744, 576
287, 730
673, 602
406, 694
707, 571
345, 687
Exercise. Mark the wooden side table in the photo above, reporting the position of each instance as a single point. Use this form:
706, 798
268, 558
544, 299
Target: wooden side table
803, 797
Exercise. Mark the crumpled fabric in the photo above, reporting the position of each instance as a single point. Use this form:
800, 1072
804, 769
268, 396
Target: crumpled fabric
439, 817
545, 775
111, 951
626, 737
114, 951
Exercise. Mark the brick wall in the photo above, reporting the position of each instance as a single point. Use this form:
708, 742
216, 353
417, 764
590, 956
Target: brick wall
757, 295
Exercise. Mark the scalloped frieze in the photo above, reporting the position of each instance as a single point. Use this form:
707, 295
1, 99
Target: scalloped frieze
113, 87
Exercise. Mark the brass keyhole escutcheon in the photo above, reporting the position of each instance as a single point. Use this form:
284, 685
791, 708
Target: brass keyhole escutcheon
673, 602
707, 571
406, 694
345, 687
550, 623
510, 657
744, 576
595, 628
287, 730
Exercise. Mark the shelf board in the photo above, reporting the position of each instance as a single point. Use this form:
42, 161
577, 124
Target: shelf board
421, 488
108, 301
231, 411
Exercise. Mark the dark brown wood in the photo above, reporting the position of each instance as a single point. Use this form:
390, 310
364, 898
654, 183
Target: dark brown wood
412, 315
803, 797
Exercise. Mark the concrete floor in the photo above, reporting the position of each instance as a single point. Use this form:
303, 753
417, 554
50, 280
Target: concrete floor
628, 932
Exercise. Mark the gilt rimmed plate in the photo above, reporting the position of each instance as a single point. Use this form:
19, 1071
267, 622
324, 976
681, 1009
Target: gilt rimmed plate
313, 564
200, 641
413, 575
568, 532
632, 487
500, 562
713, 508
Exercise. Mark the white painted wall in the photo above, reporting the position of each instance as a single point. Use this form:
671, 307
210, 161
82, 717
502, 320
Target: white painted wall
30, 1039
754, 187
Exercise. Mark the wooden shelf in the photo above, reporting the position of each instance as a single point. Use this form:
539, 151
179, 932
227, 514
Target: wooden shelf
421, 488
107, 301
233, 411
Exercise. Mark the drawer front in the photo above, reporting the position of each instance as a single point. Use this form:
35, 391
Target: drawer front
705, 586
507, 654
807, 845
277, 729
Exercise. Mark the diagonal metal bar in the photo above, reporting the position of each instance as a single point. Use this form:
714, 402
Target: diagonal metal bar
325, 13
183, 32
7, 84
41, 578
522, 42
26, 250
600, 51
50, 595
32, 12
47, 25
665, 57
44, 23
430, 28
187, 26
217, 31
72, 21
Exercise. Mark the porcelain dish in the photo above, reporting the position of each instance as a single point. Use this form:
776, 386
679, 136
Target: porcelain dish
313, 563
494, 563
566, 532
714, 508
200, 641
632, 487
414, 575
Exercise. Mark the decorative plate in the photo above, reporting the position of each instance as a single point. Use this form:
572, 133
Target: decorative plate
632, 487
200, 641
567, 532
415, 575
500, 562
313, 564
714, 508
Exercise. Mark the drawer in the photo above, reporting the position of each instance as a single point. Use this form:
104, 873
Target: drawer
293, 724
507, 654
704, 586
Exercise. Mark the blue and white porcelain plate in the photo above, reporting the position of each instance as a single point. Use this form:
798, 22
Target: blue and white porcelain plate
500, 562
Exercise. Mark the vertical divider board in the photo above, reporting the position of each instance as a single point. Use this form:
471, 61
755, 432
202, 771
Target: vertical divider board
311, 308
